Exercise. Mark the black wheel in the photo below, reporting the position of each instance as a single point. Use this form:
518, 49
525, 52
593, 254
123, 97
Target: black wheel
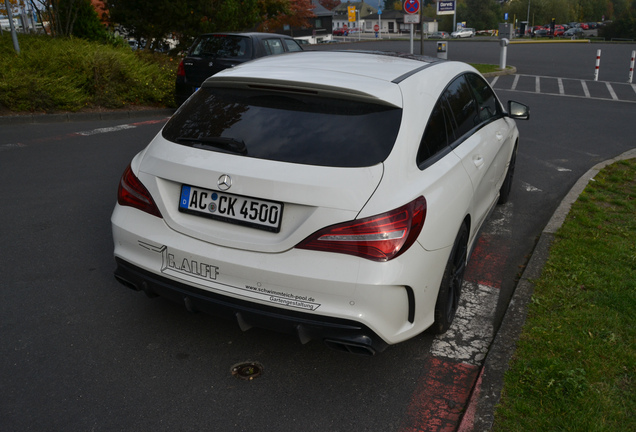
451, 286
506, 187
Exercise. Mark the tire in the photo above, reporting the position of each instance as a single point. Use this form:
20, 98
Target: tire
451, 286
506, 187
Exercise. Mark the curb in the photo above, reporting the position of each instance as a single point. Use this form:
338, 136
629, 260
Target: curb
510, 70
484, 400
68, 117
521, 42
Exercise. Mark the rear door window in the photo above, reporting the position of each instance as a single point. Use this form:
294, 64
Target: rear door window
488, 105
222, 46
292, 45
462, 106
273, 46
436, 135
287, 127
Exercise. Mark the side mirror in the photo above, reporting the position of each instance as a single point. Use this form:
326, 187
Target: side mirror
518, 111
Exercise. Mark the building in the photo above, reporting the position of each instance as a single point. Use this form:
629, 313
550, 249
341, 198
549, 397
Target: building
341, 17
319, 29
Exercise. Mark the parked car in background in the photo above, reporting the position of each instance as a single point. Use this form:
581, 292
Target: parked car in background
584, 26
214, 52
440, 35
339, 31
574, 32
542, 32
255, 204
463, 33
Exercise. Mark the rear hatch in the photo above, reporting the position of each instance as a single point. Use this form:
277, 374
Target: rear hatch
213, 53
262, 167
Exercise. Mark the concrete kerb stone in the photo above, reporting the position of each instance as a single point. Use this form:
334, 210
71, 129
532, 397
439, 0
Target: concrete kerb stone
484, 400
85, 116
510, 70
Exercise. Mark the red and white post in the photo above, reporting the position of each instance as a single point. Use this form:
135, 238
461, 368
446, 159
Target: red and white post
598, 64
631, 68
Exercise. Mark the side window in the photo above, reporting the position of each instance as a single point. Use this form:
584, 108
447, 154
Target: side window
435, 137
273, 46
462, 105
292, 45
486, 100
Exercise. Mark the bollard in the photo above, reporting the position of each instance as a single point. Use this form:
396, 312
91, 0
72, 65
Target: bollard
598, 64
442, 50
631, 68
504, 53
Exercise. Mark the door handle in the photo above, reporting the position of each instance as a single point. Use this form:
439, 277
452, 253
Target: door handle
478, 161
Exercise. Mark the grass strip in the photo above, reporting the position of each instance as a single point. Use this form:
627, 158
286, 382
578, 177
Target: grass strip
67, 74
575, 364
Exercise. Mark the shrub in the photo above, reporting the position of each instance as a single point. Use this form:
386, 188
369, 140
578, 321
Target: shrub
54, 74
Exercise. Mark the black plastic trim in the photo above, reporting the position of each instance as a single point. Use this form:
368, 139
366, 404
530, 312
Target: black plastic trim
333, 331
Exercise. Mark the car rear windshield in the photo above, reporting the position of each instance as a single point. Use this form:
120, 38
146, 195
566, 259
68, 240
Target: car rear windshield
222, 46
287, 127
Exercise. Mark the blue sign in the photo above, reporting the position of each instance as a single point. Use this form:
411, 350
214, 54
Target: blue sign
445, 7
506, 16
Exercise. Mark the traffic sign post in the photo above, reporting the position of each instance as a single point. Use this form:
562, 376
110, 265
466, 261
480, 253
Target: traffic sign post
411, 7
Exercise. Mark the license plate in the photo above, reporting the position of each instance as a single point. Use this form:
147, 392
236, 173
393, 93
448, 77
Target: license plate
251, 212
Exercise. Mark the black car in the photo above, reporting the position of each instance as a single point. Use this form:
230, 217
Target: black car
213, 52
574, 32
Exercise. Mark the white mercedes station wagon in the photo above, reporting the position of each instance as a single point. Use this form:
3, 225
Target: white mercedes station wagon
333, 195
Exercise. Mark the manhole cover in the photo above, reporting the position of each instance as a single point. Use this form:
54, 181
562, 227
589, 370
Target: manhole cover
247, 371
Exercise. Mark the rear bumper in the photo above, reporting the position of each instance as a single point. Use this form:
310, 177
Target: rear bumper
340, 334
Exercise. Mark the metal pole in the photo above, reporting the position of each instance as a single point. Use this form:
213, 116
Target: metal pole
411, 38
380, 23
14, 35
631, 67
421, 31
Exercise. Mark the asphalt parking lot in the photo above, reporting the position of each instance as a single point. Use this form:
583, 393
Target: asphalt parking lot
82, 352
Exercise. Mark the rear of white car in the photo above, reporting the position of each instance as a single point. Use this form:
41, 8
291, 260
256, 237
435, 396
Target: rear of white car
285, 195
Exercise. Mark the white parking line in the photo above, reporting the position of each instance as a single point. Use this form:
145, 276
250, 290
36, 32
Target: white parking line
529, 188
537, 84
561, 90
514, 84
472, 330
634, 87
106, 130
494, 81
585, 89
611, 91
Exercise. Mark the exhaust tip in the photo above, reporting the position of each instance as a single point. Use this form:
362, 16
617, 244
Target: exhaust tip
126, 283
349, 347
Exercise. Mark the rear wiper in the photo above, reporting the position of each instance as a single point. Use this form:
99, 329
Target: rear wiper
223, 143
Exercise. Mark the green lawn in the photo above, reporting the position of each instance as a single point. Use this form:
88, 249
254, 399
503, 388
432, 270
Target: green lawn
575, 364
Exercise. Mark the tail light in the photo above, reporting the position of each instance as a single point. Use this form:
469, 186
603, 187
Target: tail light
181, 69
133, 193
377, 238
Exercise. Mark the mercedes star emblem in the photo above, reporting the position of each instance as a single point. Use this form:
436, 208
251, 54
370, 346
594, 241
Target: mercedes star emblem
225, 182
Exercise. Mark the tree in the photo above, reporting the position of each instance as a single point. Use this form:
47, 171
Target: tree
147, 20
72, 18
295, 13
624, 26
155, 19
480, 14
